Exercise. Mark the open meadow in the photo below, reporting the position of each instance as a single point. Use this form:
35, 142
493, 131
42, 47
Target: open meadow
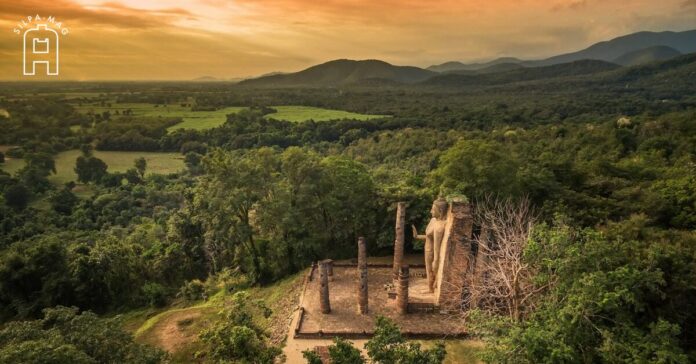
299, 114
202, 120
161, 163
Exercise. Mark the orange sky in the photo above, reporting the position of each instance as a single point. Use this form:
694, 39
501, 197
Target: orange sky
185, 39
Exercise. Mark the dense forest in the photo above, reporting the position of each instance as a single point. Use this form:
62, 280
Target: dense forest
606, 158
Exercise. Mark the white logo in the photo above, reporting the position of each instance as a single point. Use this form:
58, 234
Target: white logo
41, 44
41, 47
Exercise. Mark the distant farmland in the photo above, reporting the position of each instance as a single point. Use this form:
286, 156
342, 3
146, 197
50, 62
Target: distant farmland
201, 120
198, 120
299, 114
161, 163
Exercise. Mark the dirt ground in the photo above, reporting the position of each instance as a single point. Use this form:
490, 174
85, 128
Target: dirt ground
171, 333
345, 318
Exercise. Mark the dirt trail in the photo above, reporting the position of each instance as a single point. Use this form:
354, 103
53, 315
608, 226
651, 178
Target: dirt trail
170, 332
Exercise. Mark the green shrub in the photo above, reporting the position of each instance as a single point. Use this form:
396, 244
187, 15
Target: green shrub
193, 290
155, 294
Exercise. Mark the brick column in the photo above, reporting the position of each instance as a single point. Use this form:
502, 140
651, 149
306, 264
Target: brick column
402, 291
324, 288
362, 271
399, 240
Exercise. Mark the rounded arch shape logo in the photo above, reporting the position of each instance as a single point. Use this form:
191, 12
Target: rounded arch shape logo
40, 44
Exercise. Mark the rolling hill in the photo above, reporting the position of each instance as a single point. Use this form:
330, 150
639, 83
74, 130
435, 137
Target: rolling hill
570, 69
343, 72
459, 66
496, 68
647, 55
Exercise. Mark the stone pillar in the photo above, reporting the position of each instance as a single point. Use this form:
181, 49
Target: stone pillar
399, 240
362, 272
402, 291
324, 288
329, 266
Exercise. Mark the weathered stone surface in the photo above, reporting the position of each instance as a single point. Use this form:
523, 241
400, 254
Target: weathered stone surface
324, 301
362, 253
400, 238
362, 276
455, 257
329, 266
402, 291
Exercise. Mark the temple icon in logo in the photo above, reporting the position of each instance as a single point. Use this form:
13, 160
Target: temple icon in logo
40, 47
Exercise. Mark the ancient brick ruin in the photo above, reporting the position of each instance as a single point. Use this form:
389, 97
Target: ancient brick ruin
417, 292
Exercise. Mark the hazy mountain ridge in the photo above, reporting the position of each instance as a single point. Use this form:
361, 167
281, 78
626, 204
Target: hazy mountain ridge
459, 66
612, 50
496, 68
633, 49
646, 55
577, 68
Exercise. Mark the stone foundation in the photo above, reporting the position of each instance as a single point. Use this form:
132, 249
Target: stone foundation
345, 319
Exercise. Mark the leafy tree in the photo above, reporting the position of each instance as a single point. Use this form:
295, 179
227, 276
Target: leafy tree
87, 150
155, 294
63, 201
65, 336
387, 346
17, 196
233, 188
35, 179
41, 161
237, 338
343, 352
90, 169
33, 275
141, 166
611, 302
193, 162
34, 174
323, 204
133, 176
476, 168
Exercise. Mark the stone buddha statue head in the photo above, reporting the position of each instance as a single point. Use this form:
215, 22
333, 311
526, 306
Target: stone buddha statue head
439, 209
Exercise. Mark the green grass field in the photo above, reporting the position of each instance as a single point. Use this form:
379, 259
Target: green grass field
201, 120
65, 95
198, 120
117, 161
299, 114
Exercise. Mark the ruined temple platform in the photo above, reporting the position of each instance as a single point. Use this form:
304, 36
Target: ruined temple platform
345, 320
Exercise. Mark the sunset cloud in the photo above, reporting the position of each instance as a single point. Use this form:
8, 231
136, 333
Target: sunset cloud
184, 39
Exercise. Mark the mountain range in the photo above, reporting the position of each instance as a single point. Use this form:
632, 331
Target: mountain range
629, 50
616, 50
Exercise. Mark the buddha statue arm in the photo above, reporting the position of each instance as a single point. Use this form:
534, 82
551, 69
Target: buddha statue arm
415, 234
